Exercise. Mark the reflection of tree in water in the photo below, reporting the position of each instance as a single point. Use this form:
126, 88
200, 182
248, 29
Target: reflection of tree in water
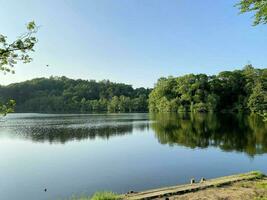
65, 134
226, 131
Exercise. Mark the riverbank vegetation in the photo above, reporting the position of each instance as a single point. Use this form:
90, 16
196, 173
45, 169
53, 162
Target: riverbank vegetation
99, 196
229, 91
61, 94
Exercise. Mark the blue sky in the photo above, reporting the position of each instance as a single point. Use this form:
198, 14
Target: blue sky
133, 41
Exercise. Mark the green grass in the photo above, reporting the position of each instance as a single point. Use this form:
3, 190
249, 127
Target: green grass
260, 198
99, 196
104, 196
258, 174
262, 185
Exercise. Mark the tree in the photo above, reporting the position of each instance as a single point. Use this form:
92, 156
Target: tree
18, 50
13, 52
257, 101
114, 104
257, 6
8, 107
60, 94
229, 91
260, 17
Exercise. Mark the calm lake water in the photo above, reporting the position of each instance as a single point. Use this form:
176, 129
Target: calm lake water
80, 154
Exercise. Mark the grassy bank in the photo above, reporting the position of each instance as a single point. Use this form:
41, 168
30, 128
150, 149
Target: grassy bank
99, 196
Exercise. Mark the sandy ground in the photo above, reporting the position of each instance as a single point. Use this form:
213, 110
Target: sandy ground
245, 190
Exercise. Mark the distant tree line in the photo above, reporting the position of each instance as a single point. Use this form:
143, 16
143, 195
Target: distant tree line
61, 94
230, 91
235, 91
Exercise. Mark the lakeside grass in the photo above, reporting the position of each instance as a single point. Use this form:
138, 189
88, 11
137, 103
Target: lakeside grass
258, 174
106, 195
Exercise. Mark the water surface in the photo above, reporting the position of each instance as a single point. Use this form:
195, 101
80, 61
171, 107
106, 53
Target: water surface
80, 154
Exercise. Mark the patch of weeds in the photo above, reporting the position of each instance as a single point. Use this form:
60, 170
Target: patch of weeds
245, 185
262, 185
260, 198
258, 174
98, 196
104, 196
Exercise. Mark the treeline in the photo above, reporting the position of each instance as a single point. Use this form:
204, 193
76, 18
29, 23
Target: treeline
61, 94
234, 91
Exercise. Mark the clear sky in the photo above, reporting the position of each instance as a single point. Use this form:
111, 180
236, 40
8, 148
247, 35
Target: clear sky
133, 41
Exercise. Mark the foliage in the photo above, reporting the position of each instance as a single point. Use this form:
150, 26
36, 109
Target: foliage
7, 108
60, 94
257, 101
257, 6
13, 52
235, 91
18, 50
258, 174
264, 115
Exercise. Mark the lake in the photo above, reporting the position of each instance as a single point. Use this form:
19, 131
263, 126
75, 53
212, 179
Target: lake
80, 154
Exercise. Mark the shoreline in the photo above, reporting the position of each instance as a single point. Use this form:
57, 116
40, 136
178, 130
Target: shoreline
175, 192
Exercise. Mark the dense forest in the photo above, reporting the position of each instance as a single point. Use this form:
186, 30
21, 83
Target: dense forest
235, 91
61, 94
